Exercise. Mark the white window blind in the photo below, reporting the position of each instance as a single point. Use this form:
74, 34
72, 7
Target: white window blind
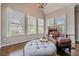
49, 22
31, 25
15, 20
60, 22
40, 25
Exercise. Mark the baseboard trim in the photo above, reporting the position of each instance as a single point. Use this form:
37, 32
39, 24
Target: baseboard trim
77, 42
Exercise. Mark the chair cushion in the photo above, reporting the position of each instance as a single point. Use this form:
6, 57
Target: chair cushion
63, 42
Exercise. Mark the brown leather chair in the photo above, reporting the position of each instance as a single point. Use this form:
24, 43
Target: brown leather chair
61, 43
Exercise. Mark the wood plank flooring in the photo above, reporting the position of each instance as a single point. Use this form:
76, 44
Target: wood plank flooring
75, 52
5, 51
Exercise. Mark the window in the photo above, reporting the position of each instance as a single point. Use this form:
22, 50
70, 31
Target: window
49, 22
31, 25
15, 22
40, 25
60, 22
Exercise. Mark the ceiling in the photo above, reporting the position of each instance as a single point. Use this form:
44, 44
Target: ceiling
53, 6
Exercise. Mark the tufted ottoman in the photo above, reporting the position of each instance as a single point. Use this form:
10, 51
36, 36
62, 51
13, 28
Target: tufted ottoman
38, 48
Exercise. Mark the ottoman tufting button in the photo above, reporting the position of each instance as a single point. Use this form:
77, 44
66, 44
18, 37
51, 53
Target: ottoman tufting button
36, 44
45, 47
30, 44
37, 47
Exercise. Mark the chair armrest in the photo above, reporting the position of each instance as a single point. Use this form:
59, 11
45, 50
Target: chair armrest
52, 40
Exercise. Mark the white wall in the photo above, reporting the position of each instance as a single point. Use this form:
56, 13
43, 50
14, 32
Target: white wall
0, 24
31, 10
68, 11
77, 23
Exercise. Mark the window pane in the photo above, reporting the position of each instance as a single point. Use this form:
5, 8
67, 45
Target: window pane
60, 22
40, 25
15, 22
61, 28
31, 28
50, 22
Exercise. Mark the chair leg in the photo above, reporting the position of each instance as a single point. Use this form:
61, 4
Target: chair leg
70, 50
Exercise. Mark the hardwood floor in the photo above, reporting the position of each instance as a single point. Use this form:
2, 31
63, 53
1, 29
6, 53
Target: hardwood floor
75, 52
5, 51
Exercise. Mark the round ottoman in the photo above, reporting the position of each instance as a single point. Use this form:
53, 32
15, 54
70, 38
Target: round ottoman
38, 48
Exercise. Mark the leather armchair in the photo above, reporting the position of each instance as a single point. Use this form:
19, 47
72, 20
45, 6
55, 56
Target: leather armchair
61, 43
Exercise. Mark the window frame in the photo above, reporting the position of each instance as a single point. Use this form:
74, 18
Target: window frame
54, 19
42, 24
51, 25
50, 19
64, 18
28, 25
8, 22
